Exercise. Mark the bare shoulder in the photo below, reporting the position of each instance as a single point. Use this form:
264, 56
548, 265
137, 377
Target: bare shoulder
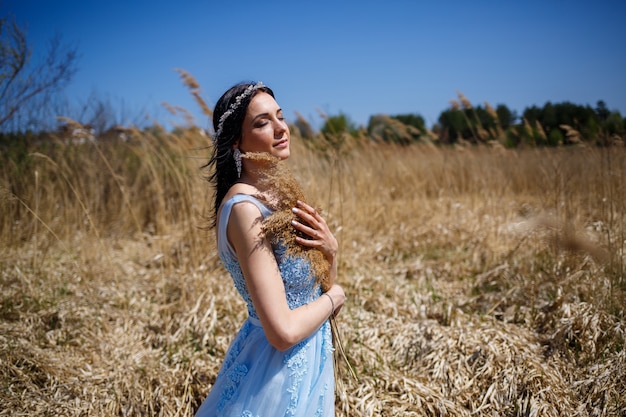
240, 188
237, 189
245, 210
244, 215
244, 229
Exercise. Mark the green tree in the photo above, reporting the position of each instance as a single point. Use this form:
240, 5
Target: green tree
415, 120
532, 114
548, 117
335, 126
615, 124
453, 125
566, 115
391, 129
506, 117
25, 86
601, 110
555, 137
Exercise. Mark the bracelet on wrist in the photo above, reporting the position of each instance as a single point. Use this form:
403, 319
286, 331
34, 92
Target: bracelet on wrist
332, 303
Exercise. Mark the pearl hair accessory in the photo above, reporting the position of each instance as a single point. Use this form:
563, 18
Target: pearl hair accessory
233, 107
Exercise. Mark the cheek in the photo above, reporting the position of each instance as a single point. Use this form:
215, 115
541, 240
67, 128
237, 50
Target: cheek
255, 139
267, 132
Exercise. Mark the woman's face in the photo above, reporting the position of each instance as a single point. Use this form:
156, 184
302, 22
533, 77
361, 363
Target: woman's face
264, 129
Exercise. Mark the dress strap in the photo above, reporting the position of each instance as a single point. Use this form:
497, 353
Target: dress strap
223, 246
254, 321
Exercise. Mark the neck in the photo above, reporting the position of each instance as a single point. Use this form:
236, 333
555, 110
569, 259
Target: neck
251, 175
255, 168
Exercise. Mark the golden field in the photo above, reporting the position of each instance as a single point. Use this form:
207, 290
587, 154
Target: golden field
480, 281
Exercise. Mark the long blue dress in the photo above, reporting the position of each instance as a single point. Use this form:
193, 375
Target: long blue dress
256, 379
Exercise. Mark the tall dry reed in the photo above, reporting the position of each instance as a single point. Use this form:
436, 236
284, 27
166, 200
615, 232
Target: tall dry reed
480, 280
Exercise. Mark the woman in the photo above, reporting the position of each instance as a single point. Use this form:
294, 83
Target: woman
280, 363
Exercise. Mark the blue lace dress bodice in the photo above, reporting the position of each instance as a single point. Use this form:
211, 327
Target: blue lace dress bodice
256, 379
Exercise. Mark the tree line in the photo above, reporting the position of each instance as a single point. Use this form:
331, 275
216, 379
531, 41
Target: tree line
553, 124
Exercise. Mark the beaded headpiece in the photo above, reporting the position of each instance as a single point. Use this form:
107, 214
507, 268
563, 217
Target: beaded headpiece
233, 107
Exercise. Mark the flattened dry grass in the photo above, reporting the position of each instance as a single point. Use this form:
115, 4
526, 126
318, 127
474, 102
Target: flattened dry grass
480, 281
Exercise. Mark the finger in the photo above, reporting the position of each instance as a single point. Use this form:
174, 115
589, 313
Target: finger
310, 231
309, 209
308, 242
307, 218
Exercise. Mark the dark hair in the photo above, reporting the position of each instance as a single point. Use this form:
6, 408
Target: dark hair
222, 164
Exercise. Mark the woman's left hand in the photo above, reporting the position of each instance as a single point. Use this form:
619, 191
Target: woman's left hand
313, 224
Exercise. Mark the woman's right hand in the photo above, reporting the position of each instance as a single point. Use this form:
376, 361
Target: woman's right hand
314, 225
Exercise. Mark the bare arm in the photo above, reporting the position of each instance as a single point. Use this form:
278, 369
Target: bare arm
283, 327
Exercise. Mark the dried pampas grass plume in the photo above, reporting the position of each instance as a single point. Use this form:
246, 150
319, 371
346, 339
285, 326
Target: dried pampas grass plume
194, 88
284, 193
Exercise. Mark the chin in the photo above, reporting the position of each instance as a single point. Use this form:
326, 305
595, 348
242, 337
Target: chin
284, 154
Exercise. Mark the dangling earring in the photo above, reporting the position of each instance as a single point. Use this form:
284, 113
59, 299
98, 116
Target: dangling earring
237, 158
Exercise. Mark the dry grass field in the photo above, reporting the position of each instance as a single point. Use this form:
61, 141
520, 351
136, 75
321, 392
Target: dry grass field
480, 281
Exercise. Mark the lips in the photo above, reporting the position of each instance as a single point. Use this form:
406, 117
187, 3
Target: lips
282, 144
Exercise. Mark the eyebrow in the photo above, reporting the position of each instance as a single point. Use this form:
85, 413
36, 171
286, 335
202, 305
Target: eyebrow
266, 114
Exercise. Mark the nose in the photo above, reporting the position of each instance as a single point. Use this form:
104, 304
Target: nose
280, 127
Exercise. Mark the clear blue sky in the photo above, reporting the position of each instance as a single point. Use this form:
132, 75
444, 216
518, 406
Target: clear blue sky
356, 57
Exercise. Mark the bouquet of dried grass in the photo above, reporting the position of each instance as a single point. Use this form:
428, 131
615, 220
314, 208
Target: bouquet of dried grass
282, 197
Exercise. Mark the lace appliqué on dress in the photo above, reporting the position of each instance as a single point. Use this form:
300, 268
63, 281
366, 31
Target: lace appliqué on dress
234, 376
297, 362
327, 343
320, 404
234, 371
299, 281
